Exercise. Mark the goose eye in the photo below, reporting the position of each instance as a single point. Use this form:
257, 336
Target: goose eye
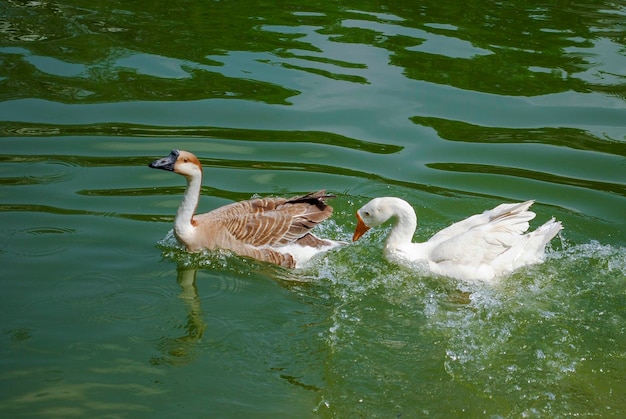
186, 160
367, 213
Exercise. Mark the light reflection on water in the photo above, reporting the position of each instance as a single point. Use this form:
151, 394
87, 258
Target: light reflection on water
454, 107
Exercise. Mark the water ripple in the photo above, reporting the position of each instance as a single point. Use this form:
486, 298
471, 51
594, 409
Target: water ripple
43, 173
107, 298
36, 241
453, 104
132, 303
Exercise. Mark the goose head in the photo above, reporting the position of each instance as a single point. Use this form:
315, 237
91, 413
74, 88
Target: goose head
380, 210
181, 162
372, 214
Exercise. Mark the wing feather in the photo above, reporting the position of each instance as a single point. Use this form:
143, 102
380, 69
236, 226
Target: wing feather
483, 237
272, 221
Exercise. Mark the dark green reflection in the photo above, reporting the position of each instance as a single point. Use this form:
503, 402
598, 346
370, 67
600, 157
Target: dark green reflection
522, 48
619, 189
564, 137
9, 129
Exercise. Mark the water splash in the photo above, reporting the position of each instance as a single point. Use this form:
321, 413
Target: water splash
542, 341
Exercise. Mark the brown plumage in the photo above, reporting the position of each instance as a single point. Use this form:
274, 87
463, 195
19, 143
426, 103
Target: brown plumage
276, 230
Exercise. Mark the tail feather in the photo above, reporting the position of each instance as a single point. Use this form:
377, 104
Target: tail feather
534, 249
306, 212
548, 231
313, 198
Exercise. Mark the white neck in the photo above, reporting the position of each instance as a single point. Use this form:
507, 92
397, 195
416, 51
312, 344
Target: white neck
190, 202
404, 225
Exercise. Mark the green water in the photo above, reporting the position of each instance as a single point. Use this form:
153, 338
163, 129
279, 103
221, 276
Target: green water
453, 106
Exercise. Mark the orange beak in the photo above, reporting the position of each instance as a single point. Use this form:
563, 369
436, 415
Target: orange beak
361, 228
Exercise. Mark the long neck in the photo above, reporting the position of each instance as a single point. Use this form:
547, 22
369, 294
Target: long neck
190, 202
404, 225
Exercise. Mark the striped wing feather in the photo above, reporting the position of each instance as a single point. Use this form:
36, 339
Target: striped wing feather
274, 221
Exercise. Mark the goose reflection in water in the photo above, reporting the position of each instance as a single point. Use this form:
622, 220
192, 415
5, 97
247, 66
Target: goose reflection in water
181, 350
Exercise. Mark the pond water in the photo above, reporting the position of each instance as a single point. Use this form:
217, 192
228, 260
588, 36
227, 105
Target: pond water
454, 106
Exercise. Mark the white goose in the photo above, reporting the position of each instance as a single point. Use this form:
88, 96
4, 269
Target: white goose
480, 248
275, 230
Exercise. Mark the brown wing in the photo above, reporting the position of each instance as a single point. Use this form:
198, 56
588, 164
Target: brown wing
274, 221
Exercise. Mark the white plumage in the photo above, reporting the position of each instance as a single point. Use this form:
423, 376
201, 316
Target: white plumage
482, 247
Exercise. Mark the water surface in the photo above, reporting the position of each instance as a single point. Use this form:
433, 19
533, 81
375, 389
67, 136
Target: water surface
454, 107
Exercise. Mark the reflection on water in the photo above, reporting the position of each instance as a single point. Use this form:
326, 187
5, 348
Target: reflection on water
546, 49
180, 350
453, 106
261, 136
563, 137
521, 173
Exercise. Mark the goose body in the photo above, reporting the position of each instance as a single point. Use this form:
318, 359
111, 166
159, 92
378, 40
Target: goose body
480, 248
275, 230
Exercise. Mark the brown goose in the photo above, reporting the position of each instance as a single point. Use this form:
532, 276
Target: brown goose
275, 230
